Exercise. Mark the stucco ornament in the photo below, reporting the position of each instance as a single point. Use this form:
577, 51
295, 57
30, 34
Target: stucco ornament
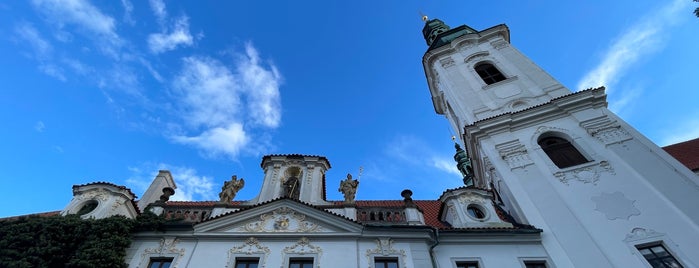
606, 130
282, 219
348, 188
515, 154
639, 233
303, 246
230, 189
168, 245
615, 206
251, 247
384, 247
585, 173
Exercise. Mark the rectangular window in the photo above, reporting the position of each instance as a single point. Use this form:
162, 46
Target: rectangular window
246, 262
658, 256
466, 264
160, 262
301, 263
385, 262
535, 264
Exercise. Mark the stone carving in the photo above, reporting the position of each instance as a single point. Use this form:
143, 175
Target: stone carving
348, 188
543, 129
615, 206
639, 233
281, 220
606, 131
249, 247
303, 246
230, 189
100, 194
470, 198
168, 245
499, 44
446, 62
514, 153
585, 173
384, 247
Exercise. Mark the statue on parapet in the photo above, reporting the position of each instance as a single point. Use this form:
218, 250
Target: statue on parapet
348, 188
230, 189
463, 163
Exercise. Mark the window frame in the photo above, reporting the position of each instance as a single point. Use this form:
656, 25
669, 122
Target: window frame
386, 259
487, 67
671, 254
247, 261
162, 260
304, 261
563, 147
466, 263
532, 260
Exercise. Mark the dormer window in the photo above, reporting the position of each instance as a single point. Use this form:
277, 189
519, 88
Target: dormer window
561, 152
489, 73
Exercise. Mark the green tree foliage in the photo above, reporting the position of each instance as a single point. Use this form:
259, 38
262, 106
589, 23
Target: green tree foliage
696, 10
69, 241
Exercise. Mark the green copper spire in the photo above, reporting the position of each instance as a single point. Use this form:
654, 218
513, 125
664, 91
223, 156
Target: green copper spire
463, 163
437, 33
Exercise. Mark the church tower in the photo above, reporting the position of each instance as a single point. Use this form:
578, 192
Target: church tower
603, 194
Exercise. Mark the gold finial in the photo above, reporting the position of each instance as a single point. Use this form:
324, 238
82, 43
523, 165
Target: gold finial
453, 138
361, 169
424, 18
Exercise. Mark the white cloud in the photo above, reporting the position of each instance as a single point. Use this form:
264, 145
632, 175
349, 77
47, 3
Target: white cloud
42, 48
39, 126
79, 12
222, 108
179, 36
262, 85
209, 92
445, 164
158, 7
644, 38
128, 8
190, 185
228, 140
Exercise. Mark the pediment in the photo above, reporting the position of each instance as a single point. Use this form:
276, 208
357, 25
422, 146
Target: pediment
281, 216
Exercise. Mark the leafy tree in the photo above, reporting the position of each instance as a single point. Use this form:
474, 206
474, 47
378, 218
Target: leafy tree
68, 241
696, 10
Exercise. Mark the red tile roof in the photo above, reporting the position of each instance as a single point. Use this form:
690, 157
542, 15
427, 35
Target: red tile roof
686, 152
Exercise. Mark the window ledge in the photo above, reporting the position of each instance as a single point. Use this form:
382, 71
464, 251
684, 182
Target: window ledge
499, 83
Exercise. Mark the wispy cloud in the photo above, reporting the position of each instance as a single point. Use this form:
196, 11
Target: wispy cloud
178, 36
128, 9
644, 38
81, 13
190, 184
42, 50
211, 97
158, 7
39, 126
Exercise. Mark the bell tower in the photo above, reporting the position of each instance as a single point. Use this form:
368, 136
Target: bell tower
559, 160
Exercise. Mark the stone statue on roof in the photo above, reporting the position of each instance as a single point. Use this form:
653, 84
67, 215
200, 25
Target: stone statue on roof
463, 163
230, 189
348, 188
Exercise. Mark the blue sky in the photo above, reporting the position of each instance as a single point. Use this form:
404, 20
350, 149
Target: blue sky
116, 90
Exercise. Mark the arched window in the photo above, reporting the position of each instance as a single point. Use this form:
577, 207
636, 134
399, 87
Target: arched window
561, 152
489, 73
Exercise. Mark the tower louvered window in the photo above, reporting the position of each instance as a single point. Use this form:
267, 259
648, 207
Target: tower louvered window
562, 152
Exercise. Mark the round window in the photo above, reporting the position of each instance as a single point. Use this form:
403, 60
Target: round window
475, 212
88, 207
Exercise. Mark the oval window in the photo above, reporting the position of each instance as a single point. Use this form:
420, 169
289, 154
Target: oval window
88, 207
475, 212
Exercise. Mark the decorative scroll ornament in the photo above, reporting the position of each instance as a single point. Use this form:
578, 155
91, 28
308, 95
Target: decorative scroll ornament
470, 198
639, 233
606, 130
250, 247
100, 194
303, 246
499, 44
615, 206
446, 62
168, 245
282, 219
515, 154
585, 173
384, 247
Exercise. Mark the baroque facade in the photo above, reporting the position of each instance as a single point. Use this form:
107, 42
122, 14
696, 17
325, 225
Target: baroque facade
552, 178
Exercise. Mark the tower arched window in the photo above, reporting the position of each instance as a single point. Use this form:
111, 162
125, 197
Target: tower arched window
561, 152
489, 73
